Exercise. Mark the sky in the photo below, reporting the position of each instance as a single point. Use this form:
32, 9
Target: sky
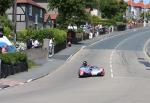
145, 1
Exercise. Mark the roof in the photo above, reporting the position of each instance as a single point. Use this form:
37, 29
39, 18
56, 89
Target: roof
28, 2
139, 4
52, 16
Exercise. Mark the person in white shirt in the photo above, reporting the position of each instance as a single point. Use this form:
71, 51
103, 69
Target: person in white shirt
51, 44
36, 44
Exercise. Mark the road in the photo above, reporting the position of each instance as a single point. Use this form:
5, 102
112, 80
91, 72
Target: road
127, 78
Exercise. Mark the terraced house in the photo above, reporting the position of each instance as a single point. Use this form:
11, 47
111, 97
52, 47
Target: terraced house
135, 9
50, 16
30, 14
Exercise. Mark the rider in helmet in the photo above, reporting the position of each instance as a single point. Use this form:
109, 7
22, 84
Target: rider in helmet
85, 63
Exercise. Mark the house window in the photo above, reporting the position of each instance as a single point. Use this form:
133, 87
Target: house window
41, 13
30, 10
36, 19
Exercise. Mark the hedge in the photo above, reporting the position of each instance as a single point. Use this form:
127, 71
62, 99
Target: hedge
12, 63
58, 35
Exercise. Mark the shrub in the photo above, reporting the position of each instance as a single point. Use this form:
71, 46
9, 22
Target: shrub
13, 58
7, 31
59, 35
22, 35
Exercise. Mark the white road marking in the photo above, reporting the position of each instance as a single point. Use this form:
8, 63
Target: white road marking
145, 49
114, 51
29, 80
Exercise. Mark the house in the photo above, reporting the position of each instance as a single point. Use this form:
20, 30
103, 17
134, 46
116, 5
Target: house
43, 3
50, 20
50, 16
135, 9
28, 15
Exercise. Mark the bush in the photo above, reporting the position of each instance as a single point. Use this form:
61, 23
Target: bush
22, 35
7, 31
59, 35
12, 63
13, 58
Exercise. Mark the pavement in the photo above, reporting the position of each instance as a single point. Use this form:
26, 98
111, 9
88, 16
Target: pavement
50, 65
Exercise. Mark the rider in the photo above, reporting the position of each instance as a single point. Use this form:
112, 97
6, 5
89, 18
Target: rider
84, 63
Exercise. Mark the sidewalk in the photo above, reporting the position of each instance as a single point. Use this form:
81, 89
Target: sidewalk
51, 64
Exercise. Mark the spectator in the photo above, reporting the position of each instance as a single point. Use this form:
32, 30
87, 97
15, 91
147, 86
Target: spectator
29, 43
1, 34
4, 49
51, 44
36, 44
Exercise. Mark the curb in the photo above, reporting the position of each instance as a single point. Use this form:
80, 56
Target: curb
145, 50
4, 86
33, 79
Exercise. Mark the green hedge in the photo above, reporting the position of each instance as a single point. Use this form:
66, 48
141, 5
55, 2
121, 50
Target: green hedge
12, 63
59, 35
13, 58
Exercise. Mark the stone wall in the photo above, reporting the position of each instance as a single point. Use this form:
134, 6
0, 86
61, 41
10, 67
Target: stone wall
38, 55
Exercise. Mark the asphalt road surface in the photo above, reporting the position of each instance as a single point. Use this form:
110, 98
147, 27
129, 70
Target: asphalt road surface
127, 78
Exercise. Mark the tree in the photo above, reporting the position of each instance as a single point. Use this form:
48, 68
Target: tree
112, 8
4, 5
91, 3
70, 11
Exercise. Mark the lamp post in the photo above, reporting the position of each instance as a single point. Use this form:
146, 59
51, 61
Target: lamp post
131, 14
144, 23
14, 19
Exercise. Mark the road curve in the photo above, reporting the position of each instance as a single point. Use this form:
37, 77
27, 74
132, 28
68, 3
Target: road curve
127, 76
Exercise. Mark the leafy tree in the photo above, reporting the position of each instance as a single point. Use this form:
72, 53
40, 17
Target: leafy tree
91, 3
70, 11
6, 24
112, 8
4, 5
148, 15
95, 20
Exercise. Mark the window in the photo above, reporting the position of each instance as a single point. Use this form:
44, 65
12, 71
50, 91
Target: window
36, 19
41, 13
30, 10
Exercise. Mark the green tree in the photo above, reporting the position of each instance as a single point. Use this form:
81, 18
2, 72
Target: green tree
70, 11
4, 5
112, 8
6, 24
91, 3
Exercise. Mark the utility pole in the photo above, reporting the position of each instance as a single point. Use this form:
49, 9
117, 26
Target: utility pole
14, 19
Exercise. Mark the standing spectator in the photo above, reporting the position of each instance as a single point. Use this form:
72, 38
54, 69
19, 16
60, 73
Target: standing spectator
51, 44
69, 39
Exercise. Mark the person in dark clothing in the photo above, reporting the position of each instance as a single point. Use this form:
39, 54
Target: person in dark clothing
29, 43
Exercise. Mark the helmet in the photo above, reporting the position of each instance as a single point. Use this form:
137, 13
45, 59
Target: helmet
85, 63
